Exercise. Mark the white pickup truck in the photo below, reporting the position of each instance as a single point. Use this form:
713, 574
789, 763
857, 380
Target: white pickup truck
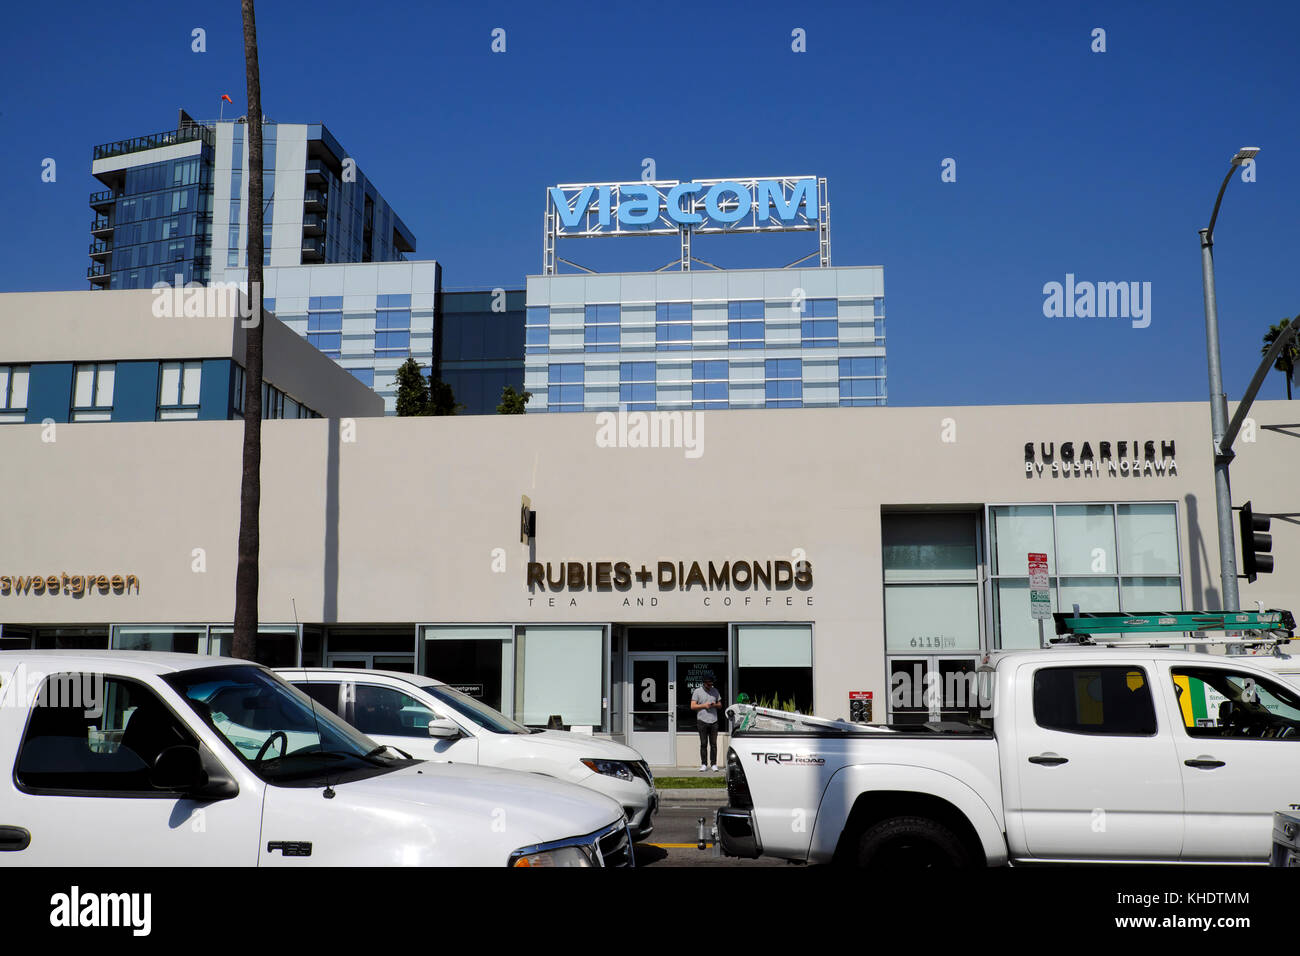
1082, 754
122, 758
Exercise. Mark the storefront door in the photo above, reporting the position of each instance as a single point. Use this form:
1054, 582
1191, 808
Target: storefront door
652, 684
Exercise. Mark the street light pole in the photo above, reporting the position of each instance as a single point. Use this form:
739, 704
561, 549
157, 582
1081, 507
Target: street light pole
1219, 402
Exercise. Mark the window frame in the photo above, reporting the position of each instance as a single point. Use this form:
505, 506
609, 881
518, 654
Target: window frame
180, 410
8, 411
92, 412
1098, 666
114, 794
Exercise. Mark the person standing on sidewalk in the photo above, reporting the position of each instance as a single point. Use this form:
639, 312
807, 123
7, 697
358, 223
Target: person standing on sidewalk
706, 702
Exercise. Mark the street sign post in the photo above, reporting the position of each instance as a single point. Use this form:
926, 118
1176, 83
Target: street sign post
1040, 597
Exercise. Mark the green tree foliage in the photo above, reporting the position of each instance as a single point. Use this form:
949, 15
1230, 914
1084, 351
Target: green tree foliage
417, 395
1289, 357
512, 402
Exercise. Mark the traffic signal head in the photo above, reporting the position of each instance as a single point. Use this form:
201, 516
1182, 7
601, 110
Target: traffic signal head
1256, 544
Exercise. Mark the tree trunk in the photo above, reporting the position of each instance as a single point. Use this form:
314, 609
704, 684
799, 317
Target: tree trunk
250, 491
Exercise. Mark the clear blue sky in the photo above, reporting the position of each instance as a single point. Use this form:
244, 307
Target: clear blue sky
1099, 164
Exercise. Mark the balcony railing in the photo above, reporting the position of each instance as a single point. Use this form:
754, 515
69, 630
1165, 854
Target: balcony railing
97, 270
102, 198
313, 250
100, 247
167, 138
101, 224
315, 199
313, 224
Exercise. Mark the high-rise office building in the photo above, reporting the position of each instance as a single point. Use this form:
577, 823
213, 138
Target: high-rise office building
701, 338
175, 203
319, 205
153, 218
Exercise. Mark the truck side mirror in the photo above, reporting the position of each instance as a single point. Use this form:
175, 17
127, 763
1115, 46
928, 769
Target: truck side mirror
182, 769
178, 768
444, 728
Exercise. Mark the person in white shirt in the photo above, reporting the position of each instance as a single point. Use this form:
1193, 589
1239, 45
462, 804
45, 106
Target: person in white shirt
706, 702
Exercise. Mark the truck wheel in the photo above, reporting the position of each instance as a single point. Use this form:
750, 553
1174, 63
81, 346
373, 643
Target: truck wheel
912, 843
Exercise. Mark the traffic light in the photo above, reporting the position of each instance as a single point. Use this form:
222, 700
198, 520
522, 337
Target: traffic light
1256, 544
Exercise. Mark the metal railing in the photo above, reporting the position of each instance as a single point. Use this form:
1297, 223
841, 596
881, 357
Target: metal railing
167, 138
103, 196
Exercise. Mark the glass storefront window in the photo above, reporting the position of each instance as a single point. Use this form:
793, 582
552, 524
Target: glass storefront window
478, 661
187, 640
1148, 539
1152, 594
1011, 615
1018, 530
933, 617
774, 665
929, 547
275, 645
1102, 557
1085, 539
559, 672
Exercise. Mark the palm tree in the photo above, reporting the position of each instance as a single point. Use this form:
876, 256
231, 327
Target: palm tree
1289, 357
250, 492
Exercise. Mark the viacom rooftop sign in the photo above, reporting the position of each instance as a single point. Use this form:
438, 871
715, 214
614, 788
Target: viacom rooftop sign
663, 208
702, 207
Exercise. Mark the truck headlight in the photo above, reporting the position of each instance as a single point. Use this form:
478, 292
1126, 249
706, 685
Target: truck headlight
610, 768
561, 856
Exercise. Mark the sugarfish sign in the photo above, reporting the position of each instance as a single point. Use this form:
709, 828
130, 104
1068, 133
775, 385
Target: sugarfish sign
704, 206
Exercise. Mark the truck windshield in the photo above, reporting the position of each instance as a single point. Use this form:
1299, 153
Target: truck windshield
275, 729
479, 713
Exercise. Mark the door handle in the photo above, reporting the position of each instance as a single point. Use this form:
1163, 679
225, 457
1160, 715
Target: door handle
1204, 763
1049, 760
14, 838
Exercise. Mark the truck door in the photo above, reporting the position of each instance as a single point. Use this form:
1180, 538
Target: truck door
1091, 773
1238, 738
80, 783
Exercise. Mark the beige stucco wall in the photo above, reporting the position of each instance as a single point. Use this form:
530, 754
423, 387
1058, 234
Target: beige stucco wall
398, 520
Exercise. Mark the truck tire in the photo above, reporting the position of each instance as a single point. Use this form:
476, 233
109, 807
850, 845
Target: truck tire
912, 843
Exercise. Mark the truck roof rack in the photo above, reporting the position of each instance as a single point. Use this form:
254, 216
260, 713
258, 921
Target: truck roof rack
1256, 628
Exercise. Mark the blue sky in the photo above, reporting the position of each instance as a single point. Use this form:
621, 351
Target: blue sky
1103, 165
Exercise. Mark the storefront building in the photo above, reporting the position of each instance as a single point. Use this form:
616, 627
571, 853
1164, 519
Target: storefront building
808, 557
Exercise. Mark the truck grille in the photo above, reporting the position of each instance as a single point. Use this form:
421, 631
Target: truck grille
616, 847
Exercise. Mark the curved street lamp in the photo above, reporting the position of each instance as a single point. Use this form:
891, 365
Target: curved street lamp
1219, 401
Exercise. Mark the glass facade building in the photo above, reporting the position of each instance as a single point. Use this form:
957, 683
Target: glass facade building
774, 338
479, 346
319, 207
153, 220
176, 204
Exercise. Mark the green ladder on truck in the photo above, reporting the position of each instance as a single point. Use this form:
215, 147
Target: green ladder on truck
1252, 628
